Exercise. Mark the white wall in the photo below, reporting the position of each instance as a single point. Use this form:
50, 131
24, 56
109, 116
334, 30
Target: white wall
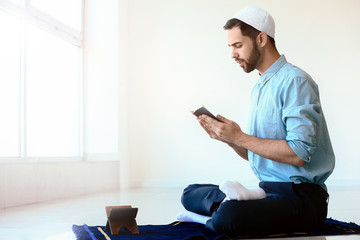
26, 183
102, 82
178, 60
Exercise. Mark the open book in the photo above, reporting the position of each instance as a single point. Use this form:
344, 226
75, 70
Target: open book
202, 111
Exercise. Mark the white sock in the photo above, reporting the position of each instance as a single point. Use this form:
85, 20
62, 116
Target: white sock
235, 191
188, 216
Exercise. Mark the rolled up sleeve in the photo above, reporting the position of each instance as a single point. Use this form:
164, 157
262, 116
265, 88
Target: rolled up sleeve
301, 116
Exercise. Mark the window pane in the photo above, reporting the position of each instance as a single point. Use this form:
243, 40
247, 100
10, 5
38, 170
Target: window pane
66, 11
16, 1
9, 85
53, 95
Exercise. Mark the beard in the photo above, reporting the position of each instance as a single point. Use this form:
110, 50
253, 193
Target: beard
251, 64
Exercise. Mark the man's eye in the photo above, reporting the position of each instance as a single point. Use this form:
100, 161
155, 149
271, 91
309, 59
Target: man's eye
238, 46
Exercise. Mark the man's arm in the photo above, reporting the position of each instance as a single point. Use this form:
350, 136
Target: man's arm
231, 133
276, 150
242, 152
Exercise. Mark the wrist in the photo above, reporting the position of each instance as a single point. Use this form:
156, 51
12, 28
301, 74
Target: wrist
241, 139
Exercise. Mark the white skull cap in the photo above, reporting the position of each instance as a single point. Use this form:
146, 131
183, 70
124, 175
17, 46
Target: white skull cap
258, 19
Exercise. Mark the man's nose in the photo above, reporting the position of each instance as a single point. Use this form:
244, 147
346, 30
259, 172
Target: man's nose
234, 54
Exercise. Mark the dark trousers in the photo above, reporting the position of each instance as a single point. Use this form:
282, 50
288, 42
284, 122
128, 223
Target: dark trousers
288, 207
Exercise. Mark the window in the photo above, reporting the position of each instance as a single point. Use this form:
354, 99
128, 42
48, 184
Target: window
9, 85
66, 11
40, 80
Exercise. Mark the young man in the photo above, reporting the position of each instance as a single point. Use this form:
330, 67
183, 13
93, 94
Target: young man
287, 145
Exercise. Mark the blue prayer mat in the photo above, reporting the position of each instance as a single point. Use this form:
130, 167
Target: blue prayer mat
195, 231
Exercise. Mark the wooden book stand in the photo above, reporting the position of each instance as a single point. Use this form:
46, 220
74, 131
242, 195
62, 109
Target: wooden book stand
121, 217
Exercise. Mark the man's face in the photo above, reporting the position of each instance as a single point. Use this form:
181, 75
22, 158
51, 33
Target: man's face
244, 51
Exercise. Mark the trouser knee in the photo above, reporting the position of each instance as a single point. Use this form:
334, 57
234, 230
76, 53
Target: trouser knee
185, 198
188, 196
226, 220
201, 198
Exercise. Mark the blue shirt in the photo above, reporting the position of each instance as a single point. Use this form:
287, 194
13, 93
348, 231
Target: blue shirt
285, 104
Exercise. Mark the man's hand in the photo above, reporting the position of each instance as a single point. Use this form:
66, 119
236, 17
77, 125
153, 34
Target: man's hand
227, 131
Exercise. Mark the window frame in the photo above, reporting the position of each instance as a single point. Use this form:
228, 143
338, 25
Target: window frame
32, 15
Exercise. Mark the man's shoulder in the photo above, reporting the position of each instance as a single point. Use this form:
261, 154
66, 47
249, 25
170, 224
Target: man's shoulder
289, 74
291, 71
293, 77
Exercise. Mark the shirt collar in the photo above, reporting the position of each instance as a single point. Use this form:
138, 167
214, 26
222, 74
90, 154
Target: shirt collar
267, 75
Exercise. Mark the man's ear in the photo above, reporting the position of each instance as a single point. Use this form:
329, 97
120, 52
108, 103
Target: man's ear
262, 39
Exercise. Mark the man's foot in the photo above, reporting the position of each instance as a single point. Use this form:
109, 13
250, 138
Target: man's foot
188, 216
235, 191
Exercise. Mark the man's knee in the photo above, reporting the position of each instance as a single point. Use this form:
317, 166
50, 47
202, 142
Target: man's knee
191, 191
227, 220
202, 198
186, 198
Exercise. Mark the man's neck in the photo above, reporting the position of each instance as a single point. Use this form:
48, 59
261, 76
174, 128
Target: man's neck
269, 58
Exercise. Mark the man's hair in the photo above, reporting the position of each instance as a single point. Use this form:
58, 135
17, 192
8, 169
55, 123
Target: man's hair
245, 28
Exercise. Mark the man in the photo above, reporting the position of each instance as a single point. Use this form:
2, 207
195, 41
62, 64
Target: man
287, 145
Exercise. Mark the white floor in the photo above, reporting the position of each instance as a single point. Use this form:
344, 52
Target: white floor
53, 220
